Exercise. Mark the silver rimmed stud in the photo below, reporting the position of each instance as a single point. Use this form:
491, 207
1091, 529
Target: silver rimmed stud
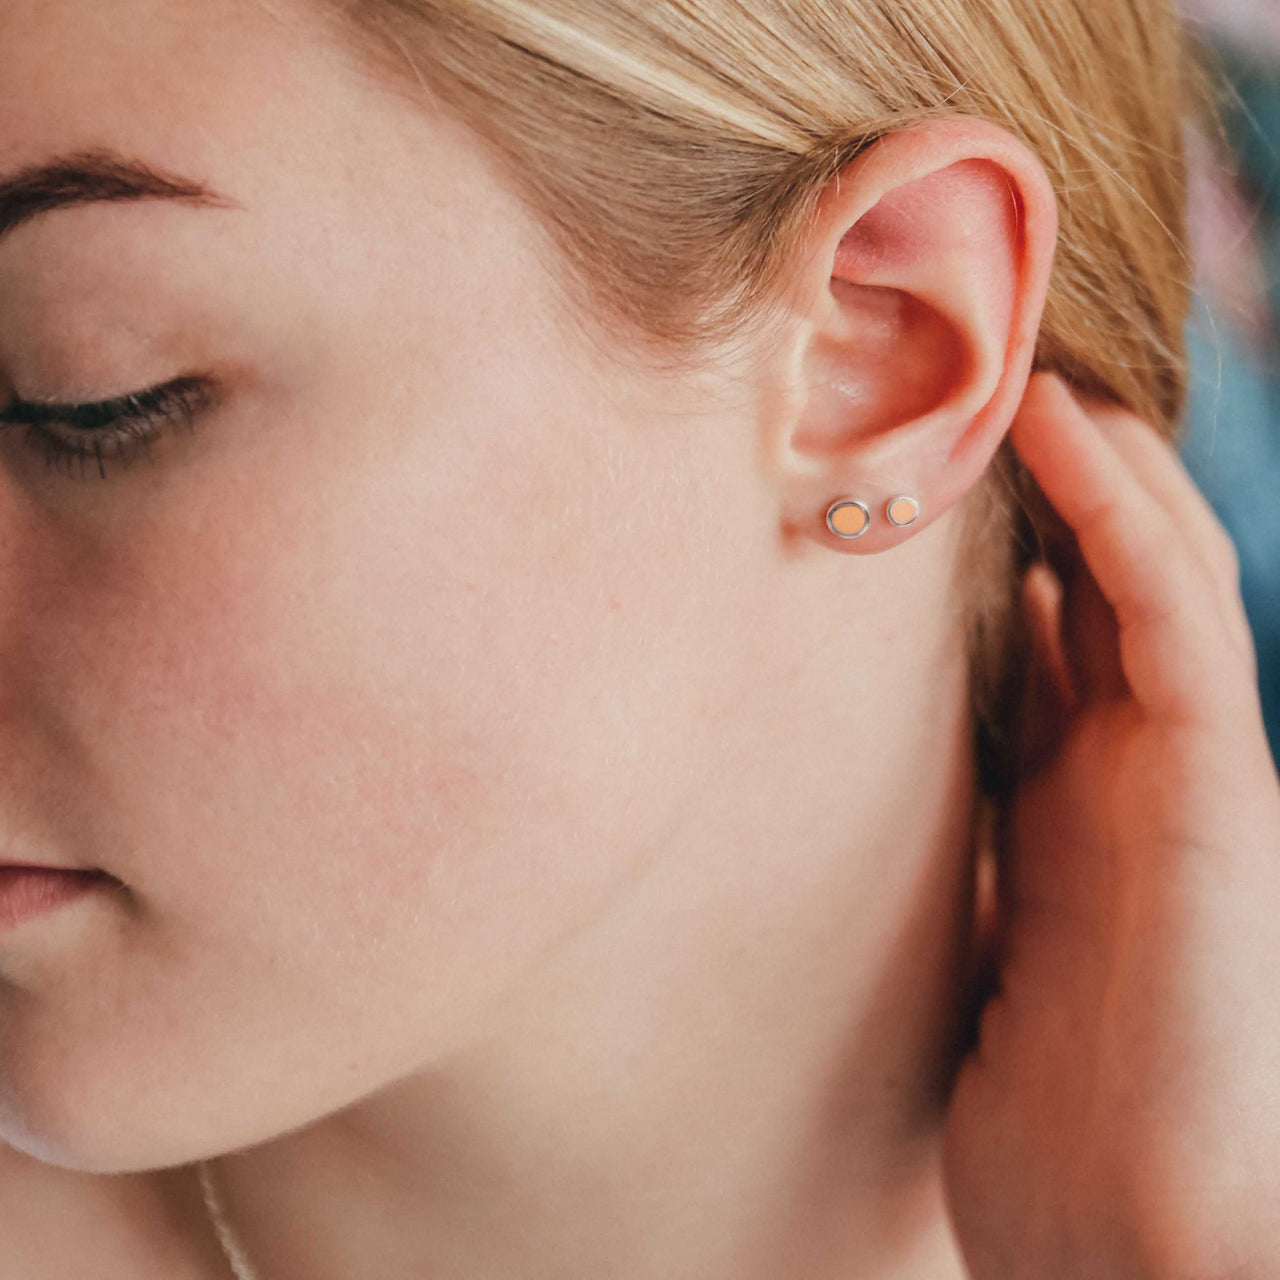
848, 518
902, 510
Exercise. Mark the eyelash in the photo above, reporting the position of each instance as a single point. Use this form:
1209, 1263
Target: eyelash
114, 430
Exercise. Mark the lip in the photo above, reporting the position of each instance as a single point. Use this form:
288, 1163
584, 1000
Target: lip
27, 891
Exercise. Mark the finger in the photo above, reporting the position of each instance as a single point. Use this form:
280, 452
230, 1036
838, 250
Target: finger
1049, 694
1043, 596
1163, 602
1091, 641
1161, 469
1087, 634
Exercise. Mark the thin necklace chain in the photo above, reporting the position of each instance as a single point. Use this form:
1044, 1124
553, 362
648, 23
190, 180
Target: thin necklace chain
226, 1237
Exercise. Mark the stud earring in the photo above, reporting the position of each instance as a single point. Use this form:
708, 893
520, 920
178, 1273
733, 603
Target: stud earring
902, 510
848, 518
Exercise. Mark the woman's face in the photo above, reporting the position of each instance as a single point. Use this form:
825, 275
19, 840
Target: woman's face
389, 675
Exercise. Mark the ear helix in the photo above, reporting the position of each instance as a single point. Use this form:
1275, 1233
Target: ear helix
850, 518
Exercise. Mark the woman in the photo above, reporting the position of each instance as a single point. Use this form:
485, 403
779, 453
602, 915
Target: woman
525, 811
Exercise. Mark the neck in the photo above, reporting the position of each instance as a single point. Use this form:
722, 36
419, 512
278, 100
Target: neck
760, 1093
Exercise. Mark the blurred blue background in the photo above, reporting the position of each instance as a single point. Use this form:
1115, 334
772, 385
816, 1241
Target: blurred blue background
1232, 443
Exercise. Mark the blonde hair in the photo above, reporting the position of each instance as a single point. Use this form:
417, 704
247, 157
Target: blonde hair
675, 151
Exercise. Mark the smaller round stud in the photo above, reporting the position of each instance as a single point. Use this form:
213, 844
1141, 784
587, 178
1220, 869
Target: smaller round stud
848, 518
902, 510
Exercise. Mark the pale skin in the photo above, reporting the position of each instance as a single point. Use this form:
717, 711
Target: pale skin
546, 848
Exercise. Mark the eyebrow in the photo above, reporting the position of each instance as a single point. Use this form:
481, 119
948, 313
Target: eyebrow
90, 177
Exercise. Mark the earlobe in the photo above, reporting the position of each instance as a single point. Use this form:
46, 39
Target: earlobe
920, 300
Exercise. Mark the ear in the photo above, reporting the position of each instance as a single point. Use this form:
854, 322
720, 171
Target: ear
914, 312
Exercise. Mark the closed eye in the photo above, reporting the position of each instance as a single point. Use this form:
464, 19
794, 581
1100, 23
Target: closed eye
112, 430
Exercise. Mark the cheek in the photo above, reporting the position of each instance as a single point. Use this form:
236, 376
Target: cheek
357, 754
335, 700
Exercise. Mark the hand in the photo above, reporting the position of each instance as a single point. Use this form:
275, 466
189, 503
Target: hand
1120, 1114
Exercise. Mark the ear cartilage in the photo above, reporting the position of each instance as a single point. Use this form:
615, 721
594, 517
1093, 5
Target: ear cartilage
902, 510
848, 518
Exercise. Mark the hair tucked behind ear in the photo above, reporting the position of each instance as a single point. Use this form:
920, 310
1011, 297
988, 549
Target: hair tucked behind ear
675, 150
